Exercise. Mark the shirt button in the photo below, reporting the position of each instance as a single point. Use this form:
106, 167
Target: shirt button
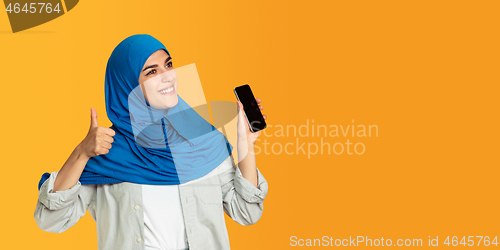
139, 240
137, 207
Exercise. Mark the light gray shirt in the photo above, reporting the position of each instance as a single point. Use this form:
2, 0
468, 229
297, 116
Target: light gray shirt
116, 209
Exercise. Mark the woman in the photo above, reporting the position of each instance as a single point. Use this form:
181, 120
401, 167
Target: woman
161, 176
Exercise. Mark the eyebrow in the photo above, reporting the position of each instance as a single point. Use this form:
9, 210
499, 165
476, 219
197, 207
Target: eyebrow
156, 65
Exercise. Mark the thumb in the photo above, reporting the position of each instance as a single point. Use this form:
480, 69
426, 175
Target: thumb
93, 118
241, 115
240, 106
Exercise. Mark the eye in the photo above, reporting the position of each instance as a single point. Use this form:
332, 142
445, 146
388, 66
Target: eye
151, 71
169, 64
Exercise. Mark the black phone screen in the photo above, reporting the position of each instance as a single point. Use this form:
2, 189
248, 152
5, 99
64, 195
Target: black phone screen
254, 116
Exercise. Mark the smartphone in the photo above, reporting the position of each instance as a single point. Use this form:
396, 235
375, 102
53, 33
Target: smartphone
254, 117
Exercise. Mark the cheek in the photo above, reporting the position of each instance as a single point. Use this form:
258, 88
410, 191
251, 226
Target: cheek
150, 88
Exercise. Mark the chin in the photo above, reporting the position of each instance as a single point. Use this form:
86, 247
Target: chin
171, 102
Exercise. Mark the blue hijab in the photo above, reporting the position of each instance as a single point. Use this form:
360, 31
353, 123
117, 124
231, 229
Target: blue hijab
151, 146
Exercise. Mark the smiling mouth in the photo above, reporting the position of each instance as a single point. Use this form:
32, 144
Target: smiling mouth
167, 90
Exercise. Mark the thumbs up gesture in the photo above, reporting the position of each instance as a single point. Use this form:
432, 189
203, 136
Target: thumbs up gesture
98, 140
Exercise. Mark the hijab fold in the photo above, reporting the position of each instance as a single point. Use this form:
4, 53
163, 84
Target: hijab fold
151, 146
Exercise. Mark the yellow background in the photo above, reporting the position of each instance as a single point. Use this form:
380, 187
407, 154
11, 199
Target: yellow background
425, 72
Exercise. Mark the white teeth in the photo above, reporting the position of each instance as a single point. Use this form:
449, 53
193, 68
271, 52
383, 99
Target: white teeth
166, 90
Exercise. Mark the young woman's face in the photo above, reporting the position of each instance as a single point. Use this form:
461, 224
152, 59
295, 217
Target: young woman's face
158, 81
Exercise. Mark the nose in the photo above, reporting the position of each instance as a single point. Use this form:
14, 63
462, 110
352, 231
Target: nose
167, 76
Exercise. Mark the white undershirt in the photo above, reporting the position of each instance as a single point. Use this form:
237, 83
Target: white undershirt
164, 227
163, 220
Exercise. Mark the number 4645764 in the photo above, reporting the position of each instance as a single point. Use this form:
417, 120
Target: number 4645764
470, 241
32, 8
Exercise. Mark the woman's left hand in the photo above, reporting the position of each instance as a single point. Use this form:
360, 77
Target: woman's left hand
244, 132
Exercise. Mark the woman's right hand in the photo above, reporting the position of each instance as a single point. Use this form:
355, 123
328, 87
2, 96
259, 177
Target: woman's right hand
98, 140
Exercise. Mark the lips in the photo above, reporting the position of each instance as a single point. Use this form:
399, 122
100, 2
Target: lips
168, 90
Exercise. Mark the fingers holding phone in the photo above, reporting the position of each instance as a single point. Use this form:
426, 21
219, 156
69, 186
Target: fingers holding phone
260, 107
251, 108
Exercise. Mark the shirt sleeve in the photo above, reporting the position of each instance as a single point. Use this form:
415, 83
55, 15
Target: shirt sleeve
242, 201
57, 211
